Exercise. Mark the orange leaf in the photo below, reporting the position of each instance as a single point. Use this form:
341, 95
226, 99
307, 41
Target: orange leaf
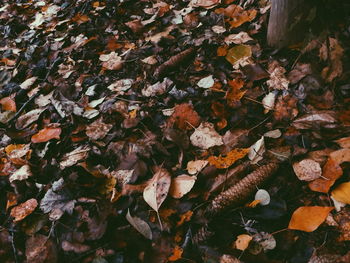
46, 134
177, 253
23, 210
185, 218
8, 104
184, 117
80, 18
243, 241
342, 193
222, 51
234, 92
309, 218
230, 158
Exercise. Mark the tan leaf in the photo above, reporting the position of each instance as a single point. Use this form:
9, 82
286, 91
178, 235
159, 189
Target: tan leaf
240, 38
307, 170
242, 242
230, 158
98, 129
194, 167
111, 61
277, 79
206, 137
342, 193
46, 134
157, 189
332, 51
140, 225
22, 173
181, 185
23, 210
256, 151
207, 4
344, 142
73, 157
309, 218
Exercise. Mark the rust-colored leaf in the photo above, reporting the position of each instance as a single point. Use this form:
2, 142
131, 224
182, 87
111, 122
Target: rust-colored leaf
184, 117
309, 218
23, 210
235, 92
222, 162
80, 18
46, 134
8, 104
177, 254
222, 51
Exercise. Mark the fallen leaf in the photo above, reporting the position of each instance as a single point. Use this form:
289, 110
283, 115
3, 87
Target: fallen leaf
185, 218
21, 174
194, 167
40, 249
28, 83
234, 92
321, 119
242, 241
269, 102
207, 4
237, 15
157, 189
344, 142
309, 218
240, 38
73, 157
46, 134
277, 79
23, 210
158, 88
140, 225
263, 196
184, 117
286, 108
230, 158
26, 119
206, 82
342, 193
206, 137
222, 51
265, 240
274, 134
111, 61
254, 72
299, 72
256, 151
18, 151
157, 37
8, 104
177, 254
98, 129
120, 86
80, 18
307, 170
333, 51
181, 185
239, 55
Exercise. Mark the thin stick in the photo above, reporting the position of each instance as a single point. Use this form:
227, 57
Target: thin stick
160, 221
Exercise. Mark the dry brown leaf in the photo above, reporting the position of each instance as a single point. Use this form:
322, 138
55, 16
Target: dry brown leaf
324, 119
286, 108
344, 142
8, 104
23, 210
237, 15
342, 193
46, 134
73, 157
18, 151
240, 38
185, 218
242, 241
80, 18
184, 117
332, 50
299, 72
111, 61
207, 4
234, 92
194, 167
98, 129
181, 185
140, 225
239, 55
157, 189
277, 79
206, 137
309, 218
307, 170
40, 249
230, 158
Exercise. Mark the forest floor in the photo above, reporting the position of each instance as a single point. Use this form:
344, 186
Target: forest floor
169, 131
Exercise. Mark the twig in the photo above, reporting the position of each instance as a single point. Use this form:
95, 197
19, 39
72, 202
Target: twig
30, 100
14, 248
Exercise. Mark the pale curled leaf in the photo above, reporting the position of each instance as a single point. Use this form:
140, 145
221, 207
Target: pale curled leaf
73, 157
206, 137
257, 150
157, 189
181, 185
140, 225
22, 173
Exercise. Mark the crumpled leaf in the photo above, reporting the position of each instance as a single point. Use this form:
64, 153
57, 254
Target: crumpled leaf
256, 151
181, 185
40, 249
274, 134
158, 88
333, 52
23, 210
277, 79
98, 129
120, 86
230, 158
65, 107
342, 193
26, 119
206, 137
21, 174
237, 15
298, 72
57, 198
240, 38
140, 225
269, 101
309, 218
242, 242
234, 92
194, 167
207, 4
239, 55
18, 151
265, 241
157, 189
111, 61
307, 170
324, 119
46, 134
73, 157
184, 117
206, 82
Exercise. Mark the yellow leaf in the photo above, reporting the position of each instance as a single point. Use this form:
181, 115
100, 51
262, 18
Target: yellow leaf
231, 157
242, 242
237, 53
342, 193
309, 218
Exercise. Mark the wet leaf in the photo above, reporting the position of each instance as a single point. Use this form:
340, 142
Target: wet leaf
181, 185
223, 162
140, 225
46, 134
309, 218
157, 189
23, 210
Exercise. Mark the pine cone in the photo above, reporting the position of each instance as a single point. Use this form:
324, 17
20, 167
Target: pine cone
242, 190
202, 235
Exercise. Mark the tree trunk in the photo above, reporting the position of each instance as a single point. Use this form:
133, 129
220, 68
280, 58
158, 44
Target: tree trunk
281, 23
